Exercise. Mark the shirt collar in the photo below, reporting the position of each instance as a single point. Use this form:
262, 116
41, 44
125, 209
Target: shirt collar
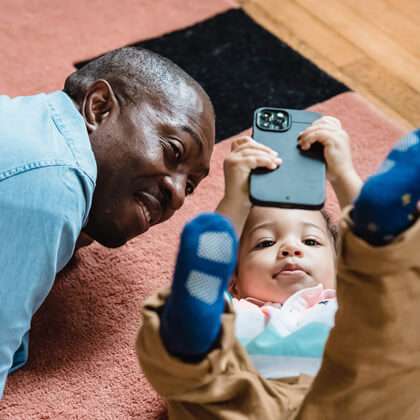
72, 127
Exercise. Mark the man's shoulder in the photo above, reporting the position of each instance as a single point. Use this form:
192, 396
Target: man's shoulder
58, 194
27, 133
40, 131
48, 183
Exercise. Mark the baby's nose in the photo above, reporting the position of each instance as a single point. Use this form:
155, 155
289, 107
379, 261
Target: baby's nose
290, 250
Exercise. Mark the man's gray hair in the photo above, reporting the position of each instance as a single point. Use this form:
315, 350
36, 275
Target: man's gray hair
133, 73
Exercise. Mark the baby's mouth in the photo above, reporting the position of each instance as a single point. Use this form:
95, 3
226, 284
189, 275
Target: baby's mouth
290, 270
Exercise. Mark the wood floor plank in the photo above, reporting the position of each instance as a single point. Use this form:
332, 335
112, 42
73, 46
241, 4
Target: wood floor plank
297, 20
410, 8
376, 44
393, 92
391, 20
360, 72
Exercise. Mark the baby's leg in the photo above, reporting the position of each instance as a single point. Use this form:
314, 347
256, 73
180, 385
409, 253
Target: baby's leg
371, 365
387, 203
187, 347
191, 318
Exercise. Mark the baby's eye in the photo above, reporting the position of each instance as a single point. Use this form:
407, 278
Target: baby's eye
264, 244
311, 242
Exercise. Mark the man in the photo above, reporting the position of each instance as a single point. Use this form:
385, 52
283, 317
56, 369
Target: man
112, 155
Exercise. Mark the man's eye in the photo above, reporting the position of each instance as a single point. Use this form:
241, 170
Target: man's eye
264, 244
311, 242
177, 150
189, 189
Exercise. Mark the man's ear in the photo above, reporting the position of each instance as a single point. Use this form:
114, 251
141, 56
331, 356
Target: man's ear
98, 104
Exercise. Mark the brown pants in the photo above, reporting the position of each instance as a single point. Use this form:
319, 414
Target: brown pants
371, 364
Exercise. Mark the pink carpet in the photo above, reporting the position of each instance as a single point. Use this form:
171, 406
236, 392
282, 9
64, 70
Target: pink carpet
40, 40
82, 361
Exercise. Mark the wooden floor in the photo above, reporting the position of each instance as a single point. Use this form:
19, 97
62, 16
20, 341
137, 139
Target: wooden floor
373, 46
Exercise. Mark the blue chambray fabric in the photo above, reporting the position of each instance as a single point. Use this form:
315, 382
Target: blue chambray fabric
47, 178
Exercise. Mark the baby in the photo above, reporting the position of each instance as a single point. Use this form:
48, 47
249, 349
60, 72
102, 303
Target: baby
282, 283
283, 289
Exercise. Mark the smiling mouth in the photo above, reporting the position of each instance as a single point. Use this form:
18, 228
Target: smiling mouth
146, 212
150, 207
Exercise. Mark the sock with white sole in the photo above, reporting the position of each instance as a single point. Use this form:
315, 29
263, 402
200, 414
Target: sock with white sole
191, 318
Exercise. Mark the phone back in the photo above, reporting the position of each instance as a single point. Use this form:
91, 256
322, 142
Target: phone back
299, 182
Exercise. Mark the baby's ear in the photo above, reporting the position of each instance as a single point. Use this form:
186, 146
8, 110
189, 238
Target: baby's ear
232, 287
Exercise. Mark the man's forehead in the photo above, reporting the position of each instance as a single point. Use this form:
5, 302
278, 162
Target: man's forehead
184, 100
159, 115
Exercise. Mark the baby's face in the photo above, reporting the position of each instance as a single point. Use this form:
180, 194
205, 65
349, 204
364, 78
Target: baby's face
283, 251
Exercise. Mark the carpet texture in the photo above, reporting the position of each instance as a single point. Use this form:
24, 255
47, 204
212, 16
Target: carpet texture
82, 360
41, 40
242, 67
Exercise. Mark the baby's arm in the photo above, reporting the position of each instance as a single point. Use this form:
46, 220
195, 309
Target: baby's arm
340, 170
246, 154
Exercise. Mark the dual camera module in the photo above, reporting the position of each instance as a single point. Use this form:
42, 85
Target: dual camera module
273, 119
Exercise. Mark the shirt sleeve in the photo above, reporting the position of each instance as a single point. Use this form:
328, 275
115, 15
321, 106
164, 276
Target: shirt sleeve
41, 216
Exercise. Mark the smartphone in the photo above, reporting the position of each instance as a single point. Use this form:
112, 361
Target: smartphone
299, 182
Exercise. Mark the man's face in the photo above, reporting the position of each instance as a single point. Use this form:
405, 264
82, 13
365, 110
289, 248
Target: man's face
283, 251
150, 157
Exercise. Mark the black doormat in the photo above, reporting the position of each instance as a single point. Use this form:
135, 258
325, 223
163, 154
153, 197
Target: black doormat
242, 67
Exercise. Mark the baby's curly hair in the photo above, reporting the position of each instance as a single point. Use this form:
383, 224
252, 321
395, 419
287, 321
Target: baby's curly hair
331, 227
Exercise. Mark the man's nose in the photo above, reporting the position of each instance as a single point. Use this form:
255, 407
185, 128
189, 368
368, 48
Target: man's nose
176, 185
290, 249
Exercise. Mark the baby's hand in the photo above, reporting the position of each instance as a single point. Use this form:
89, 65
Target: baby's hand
246, 154
329, 132
340, 170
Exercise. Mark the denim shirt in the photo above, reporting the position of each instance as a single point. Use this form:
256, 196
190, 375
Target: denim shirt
47, 178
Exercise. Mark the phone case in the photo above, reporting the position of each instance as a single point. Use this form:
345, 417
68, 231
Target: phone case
299, 182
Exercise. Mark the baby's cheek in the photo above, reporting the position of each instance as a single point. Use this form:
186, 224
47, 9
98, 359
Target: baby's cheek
245, 285
249, 283
323, 268
328, 278
331, 283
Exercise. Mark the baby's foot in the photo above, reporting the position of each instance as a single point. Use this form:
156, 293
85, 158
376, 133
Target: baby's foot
191, 318
388, 202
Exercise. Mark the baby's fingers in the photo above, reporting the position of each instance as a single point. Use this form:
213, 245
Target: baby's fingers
256, 161
313, 135
251, 159
240, 141
268, 159
327, 121
244, 143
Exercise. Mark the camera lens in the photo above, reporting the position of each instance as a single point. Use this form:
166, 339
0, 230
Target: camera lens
273, 119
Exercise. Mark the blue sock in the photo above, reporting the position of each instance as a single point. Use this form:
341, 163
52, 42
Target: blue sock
386, 205
191, 318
